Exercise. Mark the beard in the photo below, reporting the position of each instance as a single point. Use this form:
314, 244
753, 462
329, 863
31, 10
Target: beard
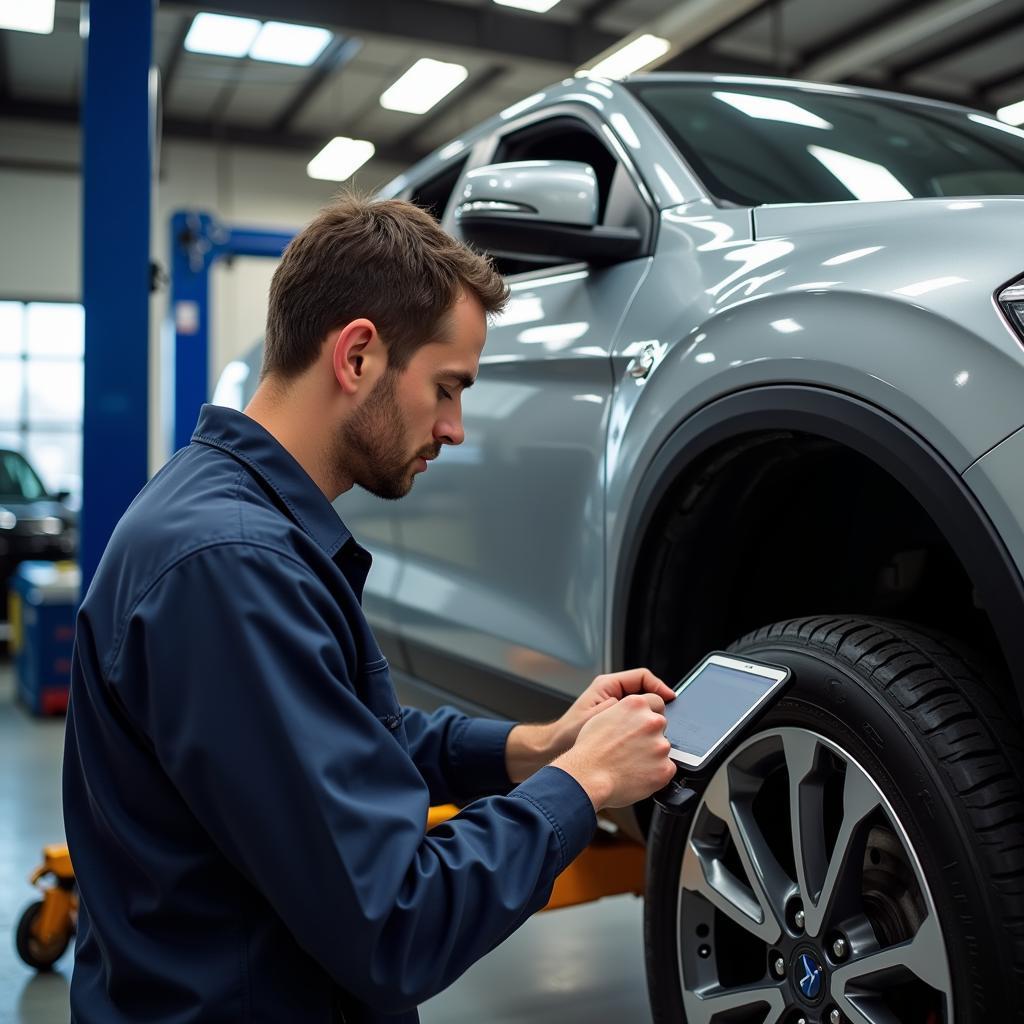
373, 443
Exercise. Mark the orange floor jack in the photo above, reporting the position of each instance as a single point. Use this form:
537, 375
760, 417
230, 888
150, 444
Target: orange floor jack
45, 928
608, 866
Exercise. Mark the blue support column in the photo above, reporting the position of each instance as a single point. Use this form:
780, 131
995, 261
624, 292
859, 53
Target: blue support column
197, 242
118, 136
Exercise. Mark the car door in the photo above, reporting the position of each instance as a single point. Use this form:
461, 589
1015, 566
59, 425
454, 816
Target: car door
502, 573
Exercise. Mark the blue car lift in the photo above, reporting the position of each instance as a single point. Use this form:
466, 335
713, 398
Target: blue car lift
198, 241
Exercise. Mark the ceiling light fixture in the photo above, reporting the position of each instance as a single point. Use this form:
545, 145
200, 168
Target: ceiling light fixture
537, 6
27, 15
283, 43
1013, 114
636, 54
221, 34
340, 159
426, 83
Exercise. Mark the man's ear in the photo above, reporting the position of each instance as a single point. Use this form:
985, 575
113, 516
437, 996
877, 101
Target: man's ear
353, 350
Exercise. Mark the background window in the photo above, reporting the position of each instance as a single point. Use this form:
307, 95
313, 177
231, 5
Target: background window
41, 389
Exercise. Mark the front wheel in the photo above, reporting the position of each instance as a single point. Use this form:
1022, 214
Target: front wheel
39, 955
859, 858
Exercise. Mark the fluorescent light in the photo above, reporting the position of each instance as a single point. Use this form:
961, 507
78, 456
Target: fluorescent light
27, 15
537, 6
340, 159
865, 179
221, 34
632, 57
289, 44
768, 108
1013, 114
427, 82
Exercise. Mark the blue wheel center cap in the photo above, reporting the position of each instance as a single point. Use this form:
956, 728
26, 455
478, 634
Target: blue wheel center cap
808, 975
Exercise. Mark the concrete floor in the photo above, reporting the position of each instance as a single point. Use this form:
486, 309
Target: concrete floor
570, 966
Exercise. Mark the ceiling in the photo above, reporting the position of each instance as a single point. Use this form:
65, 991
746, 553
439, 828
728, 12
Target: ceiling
969, 51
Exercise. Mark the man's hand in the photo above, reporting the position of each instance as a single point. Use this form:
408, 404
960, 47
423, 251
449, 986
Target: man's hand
621, 753
530, 747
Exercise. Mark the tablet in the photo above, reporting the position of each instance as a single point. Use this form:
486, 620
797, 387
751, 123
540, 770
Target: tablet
713, 704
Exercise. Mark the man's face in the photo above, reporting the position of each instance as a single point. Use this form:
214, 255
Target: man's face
410, 414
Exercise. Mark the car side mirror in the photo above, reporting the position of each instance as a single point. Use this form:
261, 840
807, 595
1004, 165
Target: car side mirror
62, 496
543, 211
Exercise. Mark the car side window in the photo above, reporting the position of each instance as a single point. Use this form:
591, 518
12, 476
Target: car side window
434, 193
569, 138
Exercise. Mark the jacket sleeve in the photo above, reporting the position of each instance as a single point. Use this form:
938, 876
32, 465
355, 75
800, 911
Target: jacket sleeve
460, 758
242, 681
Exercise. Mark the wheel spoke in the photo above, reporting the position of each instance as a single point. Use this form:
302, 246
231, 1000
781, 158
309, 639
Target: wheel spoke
860, 798
701, 1007
760, 908
805, 820
924, 956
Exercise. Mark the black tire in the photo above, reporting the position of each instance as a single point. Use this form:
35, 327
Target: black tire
913, 713
37, 955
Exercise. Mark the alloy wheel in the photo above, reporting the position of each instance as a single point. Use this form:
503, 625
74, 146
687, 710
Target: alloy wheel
801, 896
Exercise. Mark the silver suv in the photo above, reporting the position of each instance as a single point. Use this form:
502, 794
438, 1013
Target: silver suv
760, 385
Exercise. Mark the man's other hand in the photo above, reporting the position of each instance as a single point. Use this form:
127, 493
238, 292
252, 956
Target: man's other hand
530, 747
621, 753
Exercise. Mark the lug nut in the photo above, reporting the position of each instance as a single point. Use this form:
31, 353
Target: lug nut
839, 951
704, 951
835, 1017
798, 919
779, 967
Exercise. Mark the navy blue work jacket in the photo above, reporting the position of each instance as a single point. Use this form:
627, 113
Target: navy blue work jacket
245, 800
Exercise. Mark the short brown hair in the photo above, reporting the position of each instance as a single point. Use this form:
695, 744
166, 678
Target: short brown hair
386, 260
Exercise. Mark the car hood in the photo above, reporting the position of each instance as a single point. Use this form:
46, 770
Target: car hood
38, 509
950, 256
998, 218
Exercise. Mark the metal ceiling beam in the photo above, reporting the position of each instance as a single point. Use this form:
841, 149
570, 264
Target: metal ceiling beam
889, 38
333, 59
201, 131
946, 48
704, 59
684, 25
488, 30
999, 81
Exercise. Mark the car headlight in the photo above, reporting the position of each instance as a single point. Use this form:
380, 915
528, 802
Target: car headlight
1011, 299
51, 526
8, 520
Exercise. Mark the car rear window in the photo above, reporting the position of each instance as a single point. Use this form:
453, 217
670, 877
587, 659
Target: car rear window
754, 144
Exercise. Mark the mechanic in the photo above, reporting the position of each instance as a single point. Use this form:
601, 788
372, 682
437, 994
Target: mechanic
245, 800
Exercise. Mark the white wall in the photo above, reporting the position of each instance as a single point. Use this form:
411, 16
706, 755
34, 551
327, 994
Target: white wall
41, 223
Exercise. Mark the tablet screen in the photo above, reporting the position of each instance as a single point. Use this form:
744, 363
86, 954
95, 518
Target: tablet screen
709, 703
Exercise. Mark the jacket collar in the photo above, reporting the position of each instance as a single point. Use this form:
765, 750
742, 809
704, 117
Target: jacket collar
244, 439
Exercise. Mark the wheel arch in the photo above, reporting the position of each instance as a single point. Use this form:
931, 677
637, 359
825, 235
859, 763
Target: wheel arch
864, 429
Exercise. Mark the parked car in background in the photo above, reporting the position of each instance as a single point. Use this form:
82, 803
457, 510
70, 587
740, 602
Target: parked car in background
759, 386
34, 524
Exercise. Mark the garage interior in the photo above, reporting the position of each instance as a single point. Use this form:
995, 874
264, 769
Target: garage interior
236, 140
